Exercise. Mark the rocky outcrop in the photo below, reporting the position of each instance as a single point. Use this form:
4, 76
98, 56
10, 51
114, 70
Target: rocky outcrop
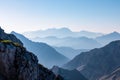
4, 36
16, 63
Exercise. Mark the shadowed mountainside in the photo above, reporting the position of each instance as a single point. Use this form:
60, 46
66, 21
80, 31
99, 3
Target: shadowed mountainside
70, 52
68, 74
44, 52
97, 62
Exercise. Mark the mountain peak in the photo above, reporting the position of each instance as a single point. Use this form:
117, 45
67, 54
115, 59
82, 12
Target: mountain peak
59, 29
115, 32
65, 28
11, 37
13, 32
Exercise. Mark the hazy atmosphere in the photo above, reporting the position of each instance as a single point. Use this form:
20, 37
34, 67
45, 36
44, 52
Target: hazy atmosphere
59, 39
91, 15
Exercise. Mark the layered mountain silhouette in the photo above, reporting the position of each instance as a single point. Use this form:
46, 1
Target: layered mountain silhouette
16, 63
105, 39
76, 43
97, 62
63, 36
70, 52
68, 74
47, 55
60, 33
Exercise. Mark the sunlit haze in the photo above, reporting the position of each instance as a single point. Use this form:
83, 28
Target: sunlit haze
29, 15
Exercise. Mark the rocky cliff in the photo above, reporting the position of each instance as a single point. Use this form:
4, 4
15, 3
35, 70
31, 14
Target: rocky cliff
16, 63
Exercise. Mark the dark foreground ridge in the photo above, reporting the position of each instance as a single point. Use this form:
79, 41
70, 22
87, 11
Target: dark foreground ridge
16, 63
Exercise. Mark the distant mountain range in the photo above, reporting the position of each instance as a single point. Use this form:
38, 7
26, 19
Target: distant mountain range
105, 39
47, 55
76, 43
98, 62
64, 37
69, 52
60, 33
68, 74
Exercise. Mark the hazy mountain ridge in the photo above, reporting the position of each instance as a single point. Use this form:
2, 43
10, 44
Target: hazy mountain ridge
76, 43
64, 37
100, 62
70, 52
44, 52
60, 33
105, 39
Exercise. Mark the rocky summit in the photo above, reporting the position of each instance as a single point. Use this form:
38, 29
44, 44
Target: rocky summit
4, 36
16, 63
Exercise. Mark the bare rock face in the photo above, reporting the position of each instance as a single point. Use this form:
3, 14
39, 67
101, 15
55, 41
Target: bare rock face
16, 63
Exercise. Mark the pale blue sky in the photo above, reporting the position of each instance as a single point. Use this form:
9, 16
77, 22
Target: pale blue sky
92, 15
